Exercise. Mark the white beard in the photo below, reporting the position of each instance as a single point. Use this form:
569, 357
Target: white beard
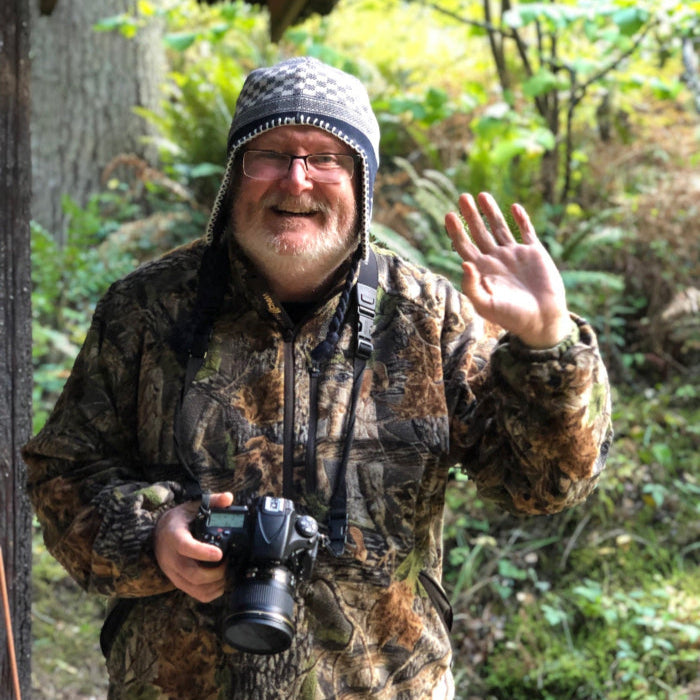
292, 261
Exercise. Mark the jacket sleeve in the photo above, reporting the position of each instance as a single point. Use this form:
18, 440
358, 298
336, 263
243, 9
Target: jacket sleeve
95, 499
532, 428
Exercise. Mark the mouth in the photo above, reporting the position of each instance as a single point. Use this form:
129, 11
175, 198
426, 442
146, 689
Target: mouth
294, 207
295, 213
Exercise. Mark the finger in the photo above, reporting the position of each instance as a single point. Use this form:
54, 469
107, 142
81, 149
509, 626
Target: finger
221, 500
459, 237
174, 533
476, 226
196, 549
200, 583
527, 230
497, 222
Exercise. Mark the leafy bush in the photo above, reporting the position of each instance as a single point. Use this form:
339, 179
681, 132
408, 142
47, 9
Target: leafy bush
597, 602
67, 281
212, 49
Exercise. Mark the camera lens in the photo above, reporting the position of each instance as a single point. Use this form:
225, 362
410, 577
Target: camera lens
261, 612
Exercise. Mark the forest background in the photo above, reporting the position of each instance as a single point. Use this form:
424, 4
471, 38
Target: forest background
585, 112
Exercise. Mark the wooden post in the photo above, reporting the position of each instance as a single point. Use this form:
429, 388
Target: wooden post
15, 336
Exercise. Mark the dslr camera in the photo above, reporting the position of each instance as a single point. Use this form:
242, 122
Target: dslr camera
270, 547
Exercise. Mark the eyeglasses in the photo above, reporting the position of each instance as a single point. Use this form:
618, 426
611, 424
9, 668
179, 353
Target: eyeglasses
320, 167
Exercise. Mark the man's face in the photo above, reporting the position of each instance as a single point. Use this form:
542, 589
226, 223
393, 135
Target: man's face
294, 225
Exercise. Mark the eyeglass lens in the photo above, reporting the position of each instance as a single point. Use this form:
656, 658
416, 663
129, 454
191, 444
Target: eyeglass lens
322, 167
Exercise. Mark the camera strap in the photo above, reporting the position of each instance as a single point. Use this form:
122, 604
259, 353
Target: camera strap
213, 277
366, 296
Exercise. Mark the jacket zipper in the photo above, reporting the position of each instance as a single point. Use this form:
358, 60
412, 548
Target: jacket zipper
288, 426
311, 477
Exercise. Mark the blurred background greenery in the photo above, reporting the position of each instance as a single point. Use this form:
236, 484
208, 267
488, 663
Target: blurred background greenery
585, 113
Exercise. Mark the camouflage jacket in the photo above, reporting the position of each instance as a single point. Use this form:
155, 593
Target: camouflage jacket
531, 428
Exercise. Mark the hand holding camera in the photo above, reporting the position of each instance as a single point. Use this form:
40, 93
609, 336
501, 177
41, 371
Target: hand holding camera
269, 547
180, 555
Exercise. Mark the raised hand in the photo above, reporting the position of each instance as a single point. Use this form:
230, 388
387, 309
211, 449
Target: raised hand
515, 285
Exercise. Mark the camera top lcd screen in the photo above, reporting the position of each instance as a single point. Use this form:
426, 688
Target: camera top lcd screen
228, 520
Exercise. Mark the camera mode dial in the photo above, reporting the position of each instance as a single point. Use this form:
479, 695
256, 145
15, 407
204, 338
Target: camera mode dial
306, 526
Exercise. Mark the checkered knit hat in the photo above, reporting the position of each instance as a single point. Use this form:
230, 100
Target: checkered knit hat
305, 91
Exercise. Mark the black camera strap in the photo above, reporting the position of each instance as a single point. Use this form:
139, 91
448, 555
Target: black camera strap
212, 280
366, 295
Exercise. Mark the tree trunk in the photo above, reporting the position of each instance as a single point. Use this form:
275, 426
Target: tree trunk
85, 85
15, 336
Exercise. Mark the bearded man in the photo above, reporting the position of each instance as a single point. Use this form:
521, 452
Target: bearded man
251, 454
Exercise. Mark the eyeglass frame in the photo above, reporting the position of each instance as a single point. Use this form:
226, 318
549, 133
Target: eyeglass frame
342, 171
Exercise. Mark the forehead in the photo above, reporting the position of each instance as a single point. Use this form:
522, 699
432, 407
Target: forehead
300, 139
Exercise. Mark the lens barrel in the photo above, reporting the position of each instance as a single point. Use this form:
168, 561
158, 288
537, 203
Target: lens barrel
261, 612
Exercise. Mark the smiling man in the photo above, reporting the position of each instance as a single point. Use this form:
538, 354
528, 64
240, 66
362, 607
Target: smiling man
251, 454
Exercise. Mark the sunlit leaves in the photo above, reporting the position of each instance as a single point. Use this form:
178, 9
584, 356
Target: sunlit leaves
542, 82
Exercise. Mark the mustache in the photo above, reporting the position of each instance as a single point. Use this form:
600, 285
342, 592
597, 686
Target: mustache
304, 203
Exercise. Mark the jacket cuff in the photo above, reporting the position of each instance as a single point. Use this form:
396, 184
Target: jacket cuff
533, 373
521, 350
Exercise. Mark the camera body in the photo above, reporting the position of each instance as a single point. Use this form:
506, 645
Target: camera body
269, 547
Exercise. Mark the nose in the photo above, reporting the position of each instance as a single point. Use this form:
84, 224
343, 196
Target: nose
297, 179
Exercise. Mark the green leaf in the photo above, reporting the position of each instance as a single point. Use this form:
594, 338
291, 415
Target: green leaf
205, 170
656, 492
113, 23
608, 280
392, 240
662, 454
508, 570
630, 20
179, 41
557, 16
554, 616
542, 82
664, 90
590, 590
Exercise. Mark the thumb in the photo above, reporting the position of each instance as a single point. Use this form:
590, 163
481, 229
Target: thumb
221, 500
476, 288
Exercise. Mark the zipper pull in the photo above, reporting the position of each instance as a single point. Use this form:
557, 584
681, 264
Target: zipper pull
313, 365
314, 368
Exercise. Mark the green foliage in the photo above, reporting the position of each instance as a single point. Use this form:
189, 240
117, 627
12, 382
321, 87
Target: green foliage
212, 49
599, 602
432, 195
589, 642
65, 629
548, 58
67, 281
506, 152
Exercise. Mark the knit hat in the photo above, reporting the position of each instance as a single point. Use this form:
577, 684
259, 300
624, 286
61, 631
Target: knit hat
305, 91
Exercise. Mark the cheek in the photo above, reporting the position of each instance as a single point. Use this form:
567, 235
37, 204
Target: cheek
246, 203
346, 207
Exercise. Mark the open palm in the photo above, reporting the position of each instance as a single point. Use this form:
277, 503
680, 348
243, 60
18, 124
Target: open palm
515, 285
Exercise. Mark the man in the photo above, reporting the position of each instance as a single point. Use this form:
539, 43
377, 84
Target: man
244, 366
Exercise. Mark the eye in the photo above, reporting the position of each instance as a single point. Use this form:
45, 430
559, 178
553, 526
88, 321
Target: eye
325, 161
270, 157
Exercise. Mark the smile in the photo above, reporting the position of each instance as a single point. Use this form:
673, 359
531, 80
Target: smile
291, 212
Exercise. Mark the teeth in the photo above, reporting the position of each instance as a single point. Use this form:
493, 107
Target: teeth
295, 211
